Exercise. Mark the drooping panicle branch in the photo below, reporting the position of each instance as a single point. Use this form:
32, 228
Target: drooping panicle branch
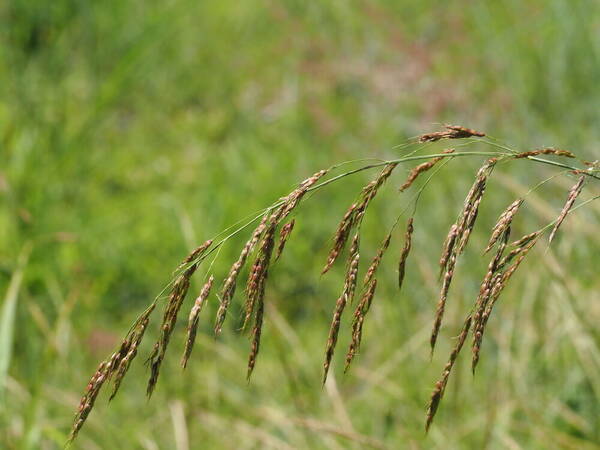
284, 235
372, 270
346, 296
176, 298
358, 320
256, 331
422, 168
440, 386
258, 274
503, 222
86, 403
573, 194
119, 365
499, 282
405, 251
457, 240
490, 279
230, 284
192, 327
270, 221
355, 214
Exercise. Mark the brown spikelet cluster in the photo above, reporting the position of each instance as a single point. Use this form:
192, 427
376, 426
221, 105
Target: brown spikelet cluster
504, 270
573, 194
447, 248
545, 151
503, 222
362, 308
120, 361
457, 240
355, 214
342, 301
86, 403
358, 320
422, 168
440, 386
230, 283
492, 276
255, 287
500, 270
370, 191
257, 278
525, 239
115, 366
405, 251
197, 252
256, 332
452, 132
471, 205
284, 235
372, 270
341, 237
176, 298
287, 205
192, 327
369, 285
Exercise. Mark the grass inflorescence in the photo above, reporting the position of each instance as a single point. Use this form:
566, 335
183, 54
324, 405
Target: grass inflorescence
273, 227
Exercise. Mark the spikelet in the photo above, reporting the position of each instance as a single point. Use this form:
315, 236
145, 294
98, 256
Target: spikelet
448, 248
192, 327
525, 239
370, 191
452, 132
490, 279
441, 306
284, 234
341, 237
255, 287
462, 132
352, 271
471, 204
128, 352
405, 252
176, 298
342, 301
117, 364
545, 151
499, 283
256, 330
440, 386
372, 270
358, 320
199, 251
503, 222
230, 283
355, 214
573, 194
295, 197
89, 398
421, 168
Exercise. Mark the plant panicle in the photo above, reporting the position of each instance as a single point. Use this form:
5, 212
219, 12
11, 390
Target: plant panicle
261, 246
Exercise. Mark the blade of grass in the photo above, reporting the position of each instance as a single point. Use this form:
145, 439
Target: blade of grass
7, 316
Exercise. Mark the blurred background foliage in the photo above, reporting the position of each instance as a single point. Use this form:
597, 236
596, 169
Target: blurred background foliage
132, 131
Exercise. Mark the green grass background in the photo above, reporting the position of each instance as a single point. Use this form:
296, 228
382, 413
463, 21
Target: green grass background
132, 131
